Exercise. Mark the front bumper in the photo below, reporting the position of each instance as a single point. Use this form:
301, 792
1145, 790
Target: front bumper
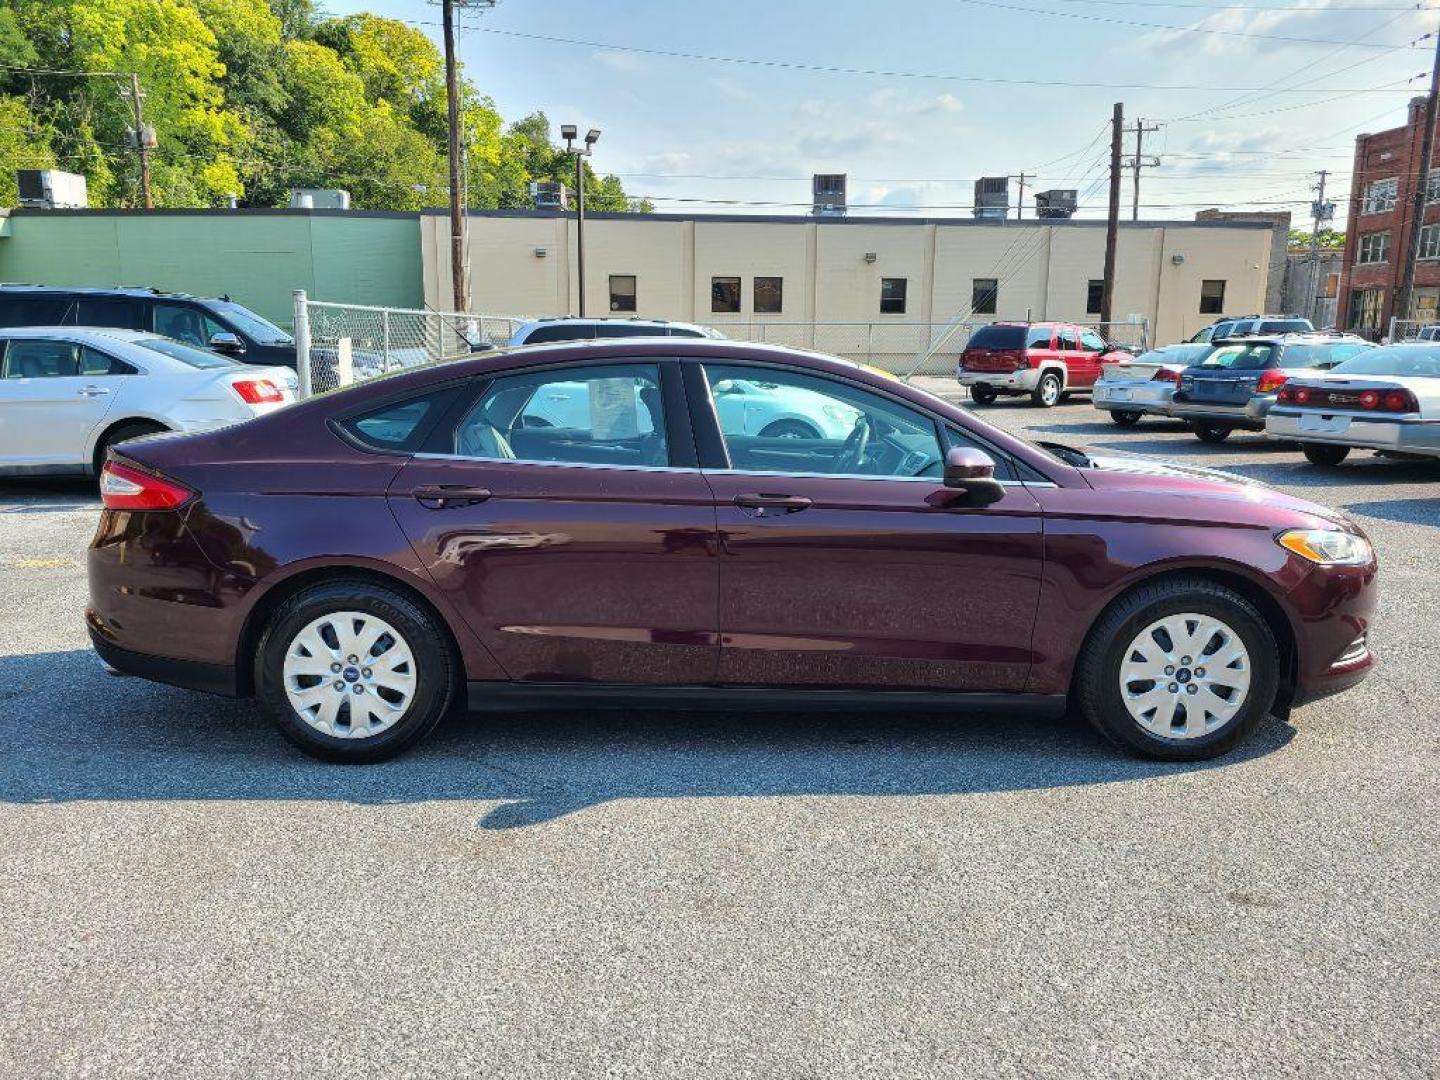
1023, 381
1400, 434
1335, 605
1250, 415
1143, 398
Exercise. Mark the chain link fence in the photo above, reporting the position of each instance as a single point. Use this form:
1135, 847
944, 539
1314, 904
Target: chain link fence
1412, 330
340, 344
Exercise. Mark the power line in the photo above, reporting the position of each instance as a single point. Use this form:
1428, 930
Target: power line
1171, 28
834, 69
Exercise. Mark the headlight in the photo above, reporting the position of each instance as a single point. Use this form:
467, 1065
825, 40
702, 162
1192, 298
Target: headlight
841, 414
1326, 547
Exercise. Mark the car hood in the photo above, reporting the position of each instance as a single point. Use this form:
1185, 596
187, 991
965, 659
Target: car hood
1121, 472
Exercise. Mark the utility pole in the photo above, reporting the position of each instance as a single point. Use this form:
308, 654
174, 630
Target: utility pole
1139, 162
1321, 212
1112, 226
452, 96
142, 141
1020, 197
1420, 177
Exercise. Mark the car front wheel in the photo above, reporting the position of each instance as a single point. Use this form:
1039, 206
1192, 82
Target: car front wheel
1324, 453
1124, 418
1181, 670
351, 671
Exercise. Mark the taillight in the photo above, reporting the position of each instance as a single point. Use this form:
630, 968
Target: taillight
1300, 395
1271, 380
1165, 375
1400, 401
1370, 399
124, 488
257, 391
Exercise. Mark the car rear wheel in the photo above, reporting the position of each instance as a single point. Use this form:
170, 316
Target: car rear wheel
351, 671
983, 395
125, 431
1124, 418
1324, 453
1181, 670
1047, 392
1211, 433
789, 429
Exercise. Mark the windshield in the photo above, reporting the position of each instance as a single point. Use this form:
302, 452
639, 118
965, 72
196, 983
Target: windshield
1240, 357
186, 354
1404, 360
251, 325
998, 337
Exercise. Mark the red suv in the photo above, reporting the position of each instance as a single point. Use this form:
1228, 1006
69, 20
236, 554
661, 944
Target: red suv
1045, 360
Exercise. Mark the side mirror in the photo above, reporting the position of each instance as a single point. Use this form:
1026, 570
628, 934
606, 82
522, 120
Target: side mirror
973, 472
227, 343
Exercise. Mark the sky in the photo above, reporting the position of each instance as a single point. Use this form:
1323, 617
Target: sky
915, 99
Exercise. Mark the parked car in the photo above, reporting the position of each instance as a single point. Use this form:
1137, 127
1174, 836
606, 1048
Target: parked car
925, 559
746, 406
1426, 333
217, 323
1235, 384
1387, 399
68, 394
1130, 389
1245, 325
1045, 360
568, 328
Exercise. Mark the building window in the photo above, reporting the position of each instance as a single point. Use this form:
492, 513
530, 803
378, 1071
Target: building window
983, 293
1094, 296
768, 295
1212, 297
892, 296
1432, 187
725, 294
1429, 242
1374, 248
622, 292
1380, 196
1366, 307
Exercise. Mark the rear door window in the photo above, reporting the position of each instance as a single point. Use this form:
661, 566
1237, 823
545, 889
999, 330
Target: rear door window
116, 312
1038, 337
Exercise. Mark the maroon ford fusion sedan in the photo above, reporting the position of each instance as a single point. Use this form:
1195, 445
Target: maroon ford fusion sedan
711, 522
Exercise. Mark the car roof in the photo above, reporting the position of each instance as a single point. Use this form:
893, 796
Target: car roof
112, 332
137, 292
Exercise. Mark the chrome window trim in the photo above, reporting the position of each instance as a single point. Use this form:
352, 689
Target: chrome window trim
423, 456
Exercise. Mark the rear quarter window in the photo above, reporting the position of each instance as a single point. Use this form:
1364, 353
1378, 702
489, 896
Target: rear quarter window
398, 426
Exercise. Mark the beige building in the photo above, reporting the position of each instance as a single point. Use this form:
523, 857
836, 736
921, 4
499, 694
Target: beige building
725, 269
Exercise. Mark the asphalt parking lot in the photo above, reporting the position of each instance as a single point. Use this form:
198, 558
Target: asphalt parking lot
721, 895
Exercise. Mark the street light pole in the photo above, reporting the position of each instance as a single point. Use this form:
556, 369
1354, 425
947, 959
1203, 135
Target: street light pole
452, 99
569, 132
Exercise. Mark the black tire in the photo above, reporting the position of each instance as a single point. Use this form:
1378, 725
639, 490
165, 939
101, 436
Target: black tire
981, 394
1097, 681
1211, 433
1047, 391
1124, 418
789, 429
1324, 453
1065, 396
436, 669
131, 430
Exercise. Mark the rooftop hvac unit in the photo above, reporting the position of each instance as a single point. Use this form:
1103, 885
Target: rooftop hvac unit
829, 192
992, 198
319, 199
51, 189
549, 195
1055, 203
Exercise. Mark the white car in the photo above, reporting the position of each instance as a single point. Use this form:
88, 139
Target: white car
1144, 386
567, 328
1385, 399
67, 394
745, 406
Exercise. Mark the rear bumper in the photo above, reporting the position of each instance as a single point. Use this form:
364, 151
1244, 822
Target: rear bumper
1412, 436
1022, 381
1138, 398
189, 674
1250, 415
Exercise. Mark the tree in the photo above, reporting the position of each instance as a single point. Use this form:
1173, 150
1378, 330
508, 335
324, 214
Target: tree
1329, 238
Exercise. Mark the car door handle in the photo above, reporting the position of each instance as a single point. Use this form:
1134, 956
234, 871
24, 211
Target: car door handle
790, 504
446, 496
92, 391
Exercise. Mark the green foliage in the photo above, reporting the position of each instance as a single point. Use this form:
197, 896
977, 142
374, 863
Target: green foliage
254, 98
1329, 238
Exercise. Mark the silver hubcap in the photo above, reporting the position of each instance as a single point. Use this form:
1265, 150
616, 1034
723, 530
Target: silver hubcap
1050, 391
350, 675
1185, 676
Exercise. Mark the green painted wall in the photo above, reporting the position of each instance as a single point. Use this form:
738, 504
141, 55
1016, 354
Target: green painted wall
258, 259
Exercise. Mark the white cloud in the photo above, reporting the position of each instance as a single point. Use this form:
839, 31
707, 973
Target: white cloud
624, 62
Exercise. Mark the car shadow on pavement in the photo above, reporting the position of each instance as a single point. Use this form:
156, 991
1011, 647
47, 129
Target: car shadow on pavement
1359, 472
1408, 511
71, 733
1105, 427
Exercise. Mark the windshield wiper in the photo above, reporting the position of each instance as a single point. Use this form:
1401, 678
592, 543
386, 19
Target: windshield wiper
1067, 454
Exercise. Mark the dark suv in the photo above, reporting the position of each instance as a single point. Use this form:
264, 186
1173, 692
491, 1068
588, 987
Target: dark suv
216, 323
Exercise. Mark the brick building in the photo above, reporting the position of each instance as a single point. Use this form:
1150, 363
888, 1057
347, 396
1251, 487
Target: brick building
1387, 168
